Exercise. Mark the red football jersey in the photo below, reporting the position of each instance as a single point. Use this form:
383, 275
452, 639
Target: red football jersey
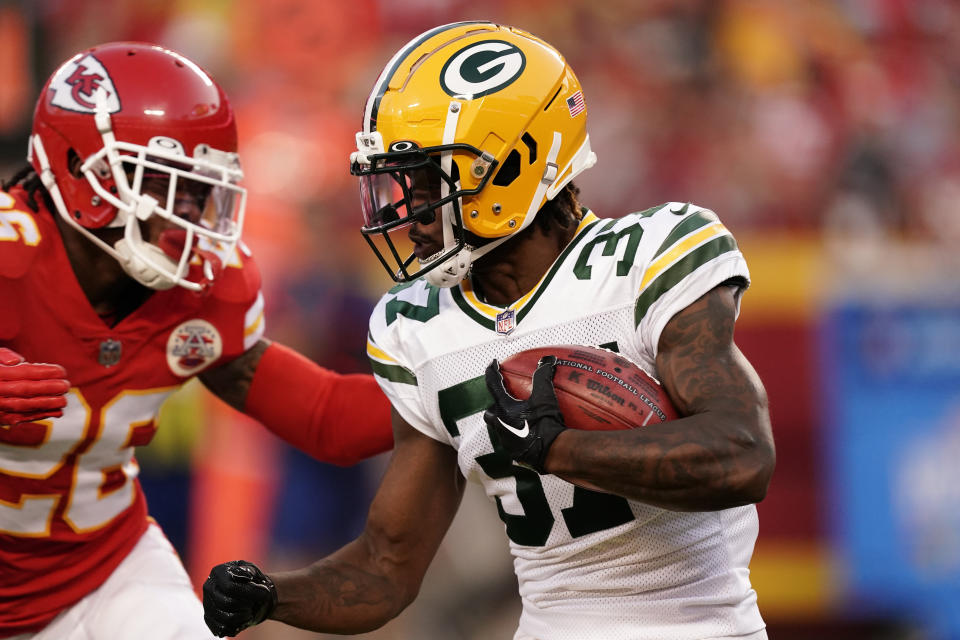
71, 506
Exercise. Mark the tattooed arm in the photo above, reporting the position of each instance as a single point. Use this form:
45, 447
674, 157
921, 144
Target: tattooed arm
720, 455
372, 579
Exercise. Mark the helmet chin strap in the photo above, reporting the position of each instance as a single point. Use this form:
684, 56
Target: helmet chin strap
455, 268
142, 261
142, 271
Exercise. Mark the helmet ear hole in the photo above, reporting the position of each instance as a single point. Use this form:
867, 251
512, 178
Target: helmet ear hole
509, 171
73, 163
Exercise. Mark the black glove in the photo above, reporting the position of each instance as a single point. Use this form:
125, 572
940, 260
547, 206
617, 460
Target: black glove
237, 595
525, 428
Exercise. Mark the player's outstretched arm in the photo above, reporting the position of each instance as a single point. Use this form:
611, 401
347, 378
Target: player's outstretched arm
334, 417
371, 580
720, 455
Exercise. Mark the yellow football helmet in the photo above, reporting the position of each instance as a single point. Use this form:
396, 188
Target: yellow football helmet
476, 122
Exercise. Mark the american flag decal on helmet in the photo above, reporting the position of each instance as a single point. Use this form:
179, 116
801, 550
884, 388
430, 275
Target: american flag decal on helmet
576, 104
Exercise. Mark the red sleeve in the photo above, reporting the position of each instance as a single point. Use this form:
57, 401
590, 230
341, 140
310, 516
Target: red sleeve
235, 306
334, 417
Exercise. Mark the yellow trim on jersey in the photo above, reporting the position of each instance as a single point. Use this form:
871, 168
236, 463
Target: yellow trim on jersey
21, 504
665, 260
254, 326
19, 226
374, 351
49, 427
491, 311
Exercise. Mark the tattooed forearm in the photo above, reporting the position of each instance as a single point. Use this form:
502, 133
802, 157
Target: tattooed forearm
372, 579
336, 596
720, 455
231, 381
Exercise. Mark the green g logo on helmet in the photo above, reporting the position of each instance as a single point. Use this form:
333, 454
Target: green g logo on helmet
482, 68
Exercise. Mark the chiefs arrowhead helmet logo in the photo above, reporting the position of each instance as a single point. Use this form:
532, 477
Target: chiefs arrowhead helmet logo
80, 83
84, 84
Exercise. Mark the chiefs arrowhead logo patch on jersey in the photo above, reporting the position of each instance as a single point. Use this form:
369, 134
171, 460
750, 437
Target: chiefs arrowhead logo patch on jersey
81, 83
193, 346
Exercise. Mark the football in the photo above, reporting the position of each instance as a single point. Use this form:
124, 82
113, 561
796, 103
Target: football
597, 389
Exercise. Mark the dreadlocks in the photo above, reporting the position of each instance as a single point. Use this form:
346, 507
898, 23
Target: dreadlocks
564, 210
27, 178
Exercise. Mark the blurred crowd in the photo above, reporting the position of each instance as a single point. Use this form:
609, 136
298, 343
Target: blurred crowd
809, 115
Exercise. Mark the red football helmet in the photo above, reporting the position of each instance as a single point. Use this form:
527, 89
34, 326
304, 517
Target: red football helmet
122, 113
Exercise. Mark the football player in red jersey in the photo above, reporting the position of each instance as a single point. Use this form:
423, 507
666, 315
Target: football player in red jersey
121, 264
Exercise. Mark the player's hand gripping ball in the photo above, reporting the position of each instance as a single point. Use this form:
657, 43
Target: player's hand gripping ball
237, 595
30, 391
525, 428
568, 386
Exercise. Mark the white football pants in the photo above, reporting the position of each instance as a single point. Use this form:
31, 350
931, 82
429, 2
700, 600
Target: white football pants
147, 597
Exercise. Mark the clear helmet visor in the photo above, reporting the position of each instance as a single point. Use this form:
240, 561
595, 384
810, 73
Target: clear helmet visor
381, 199
198, 196
408, 184
398, 193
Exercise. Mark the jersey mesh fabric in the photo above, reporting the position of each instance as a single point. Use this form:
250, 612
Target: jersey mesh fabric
666, 566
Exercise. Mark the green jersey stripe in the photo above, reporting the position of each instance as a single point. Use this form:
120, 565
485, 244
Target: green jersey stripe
393, 373
468, 309
694, 222
553, 270
489, 323
680, 270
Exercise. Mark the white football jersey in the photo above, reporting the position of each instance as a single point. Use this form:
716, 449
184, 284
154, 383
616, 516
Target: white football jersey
589, 565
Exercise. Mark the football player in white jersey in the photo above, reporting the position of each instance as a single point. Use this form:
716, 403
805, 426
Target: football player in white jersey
472, 135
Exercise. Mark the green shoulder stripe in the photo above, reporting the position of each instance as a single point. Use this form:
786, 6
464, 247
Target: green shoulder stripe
680, 270
553, 270
694, 222
393, 372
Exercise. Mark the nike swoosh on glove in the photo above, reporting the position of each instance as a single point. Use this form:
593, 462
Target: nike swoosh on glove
525, 429
30, 391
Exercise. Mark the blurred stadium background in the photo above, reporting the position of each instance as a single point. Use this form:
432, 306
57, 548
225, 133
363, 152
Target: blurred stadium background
825, 133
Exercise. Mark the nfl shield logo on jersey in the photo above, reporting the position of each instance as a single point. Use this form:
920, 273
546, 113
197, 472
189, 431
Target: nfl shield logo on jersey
506, 321
192, 346
110, 352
